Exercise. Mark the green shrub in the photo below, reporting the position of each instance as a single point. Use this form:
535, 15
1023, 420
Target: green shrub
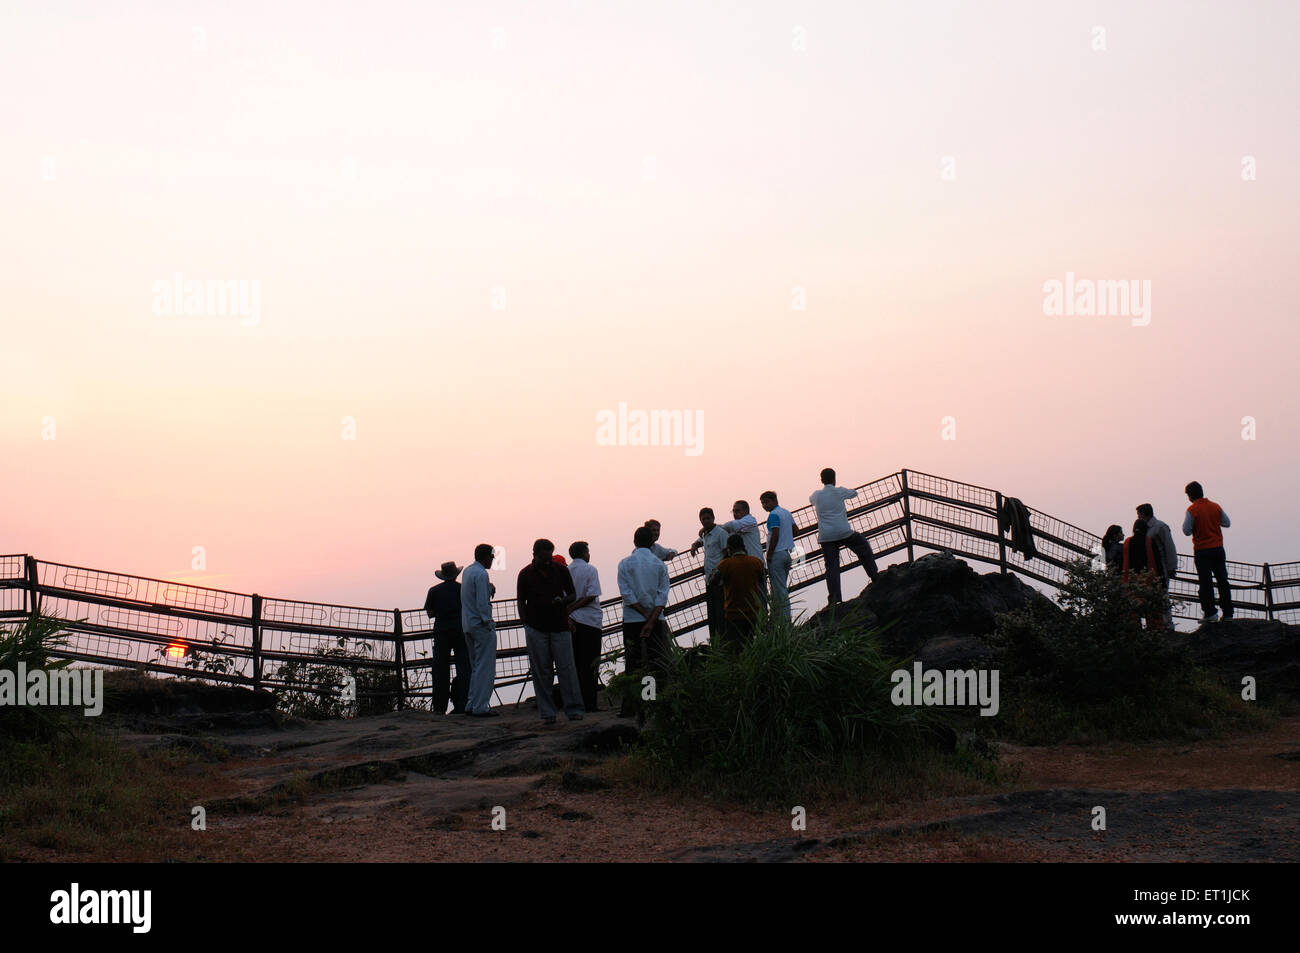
794, 712
1090, 670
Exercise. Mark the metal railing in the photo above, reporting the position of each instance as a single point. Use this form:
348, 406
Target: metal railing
130, 621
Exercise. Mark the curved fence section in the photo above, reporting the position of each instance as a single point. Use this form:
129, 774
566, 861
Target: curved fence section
152, 624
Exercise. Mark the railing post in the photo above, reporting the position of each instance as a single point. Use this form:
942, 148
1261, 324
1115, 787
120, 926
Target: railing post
257, 641
907, 519
33, 584
1002, 541
399, 657
1268, 592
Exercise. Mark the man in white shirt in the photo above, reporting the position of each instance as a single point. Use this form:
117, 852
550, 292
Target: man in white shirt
780, 542
744, 524
588, 622
834, 531
713, 538
663, 552
643, 584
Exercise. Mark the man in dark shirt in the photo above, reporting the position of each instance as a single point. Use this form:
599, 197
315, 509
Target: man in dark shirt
743, 595
545, 590
442, 605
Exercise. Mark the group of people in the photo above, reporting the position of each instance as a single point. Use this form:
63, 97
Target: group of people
559, 603
1151, 550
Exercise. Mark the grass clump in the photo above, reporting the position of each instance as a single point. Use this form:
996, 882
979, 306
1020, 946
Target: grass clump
797, 713
32, 643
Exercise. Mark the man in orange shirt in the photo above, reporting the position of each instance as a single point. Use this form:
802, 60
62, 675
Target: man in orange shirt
1205, 522
742, 578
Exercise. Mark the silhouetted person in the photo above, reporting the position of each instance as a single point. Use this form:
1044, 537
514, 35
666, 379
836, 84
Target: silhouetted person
780, 546
1162, 539
743, 522
588, 623
442, 605
1143, 557
545, 592
1205, 522
663, 552
713, 538
480, 632
643, 584
834, 531
741, 576
1112, 547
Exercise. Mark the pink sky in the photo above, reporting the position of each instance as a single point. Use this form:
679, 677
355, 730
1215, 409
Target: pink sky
646, 185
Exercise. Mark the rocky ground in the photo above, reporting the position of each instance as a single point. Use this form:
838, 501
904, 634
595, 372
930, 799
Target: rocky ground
412, 786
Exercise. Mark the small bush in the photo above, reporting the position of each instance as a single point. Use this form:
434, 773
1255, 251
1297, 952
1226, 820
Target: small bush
1094, 647
377, 689
1090, 670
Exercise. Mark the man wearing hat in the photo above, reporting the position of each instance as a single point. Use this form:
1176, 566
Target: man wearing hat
443, 606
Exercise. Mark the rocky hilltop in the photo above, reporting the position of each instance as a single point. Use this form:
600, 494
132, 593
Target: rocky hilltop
942, 612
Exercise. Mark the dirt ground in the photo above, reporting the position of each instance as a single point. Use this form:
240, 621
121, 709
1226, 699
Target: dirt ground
416, 787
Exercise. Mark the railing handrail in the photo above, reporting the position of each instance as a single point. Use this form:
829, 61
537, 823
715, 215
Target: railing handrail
888, 514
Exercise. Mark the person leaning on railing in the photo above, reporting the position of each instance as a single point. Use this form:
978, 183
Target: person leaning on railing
663, 552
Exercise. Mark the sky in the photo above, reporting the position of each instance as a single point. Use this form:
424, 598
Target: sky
460, 233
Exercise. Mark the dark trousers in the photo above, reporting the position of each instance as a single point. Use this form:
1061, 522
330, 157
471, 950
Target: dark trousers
1212, 567
648, 656
736, 634
857, 543
445, 645
713, 604
586, 656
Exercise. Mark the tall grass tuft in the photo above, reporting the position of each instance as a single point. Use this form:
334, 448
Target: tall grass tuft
32, 642
796, 712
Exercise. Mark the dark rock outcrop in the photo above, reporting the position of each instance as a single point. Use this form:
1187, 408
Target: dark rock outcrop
1235, 648
941, 610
